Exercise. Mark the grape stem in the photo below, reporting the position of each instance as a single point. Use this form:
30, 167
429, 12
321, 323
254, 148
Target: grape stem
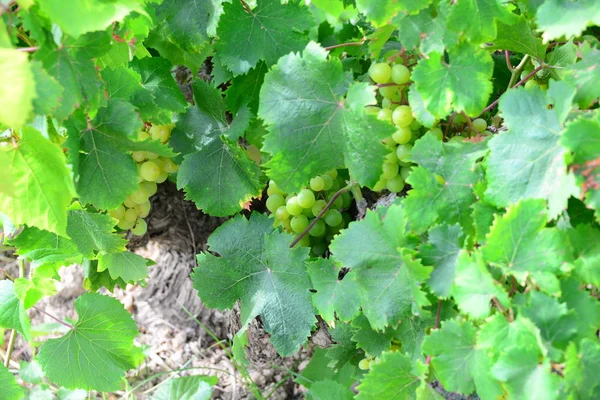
54, 318
28, 49
470, 123
323, 211
335, 46
436, 325
508, 63
515, 72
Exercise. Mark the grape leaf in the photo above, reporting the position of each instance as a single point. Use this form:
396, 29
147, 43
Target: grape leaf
498, 335
584, 240
582, 75
9, 387
462, 84
391, 378
417, 105
42, 185
93, 232
519, 244
12, 311
189, 23
557, 18
195, 387
244, 89
527, 161
474, 287
313, 129
334, 295
125, 265
257, 266
266, 32
48, 90
156, 77
97, 351
519, 38
371, 341
343, 352
76, 17
329, 390
430, 201
459, 364
30, 291
581, 369
381, 12
523, 375
17, 88
585, 307
476, 19
441, 251
388, 277
41, 247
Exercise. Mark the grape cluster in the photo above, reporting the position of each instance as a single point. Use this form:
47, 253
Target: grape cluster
152, 169
295, 211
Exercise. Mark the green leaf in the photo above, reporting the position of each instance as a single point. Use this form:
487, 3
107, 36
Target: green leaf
381, 12
584, 239
157, 79
557, 18
519, 38
125, 265
189, 23
244, 89
12, 311
441, 251
581, 369
313, 129
498, 335
560, 58
17, 88
76, 17
266, 32
582, 75
195, 387
527, 161
42, 247
523, 375
42, 185
334, 296
476, 19
48, 90
257, 266
329, 390
30, 291
9, 387
462, 84
418, 108
391, 378
378, 39
94, 232
521, 246
586, 307
343, 352
371, 341
459, 364
389, 278
98, 350
429, 201
474, 287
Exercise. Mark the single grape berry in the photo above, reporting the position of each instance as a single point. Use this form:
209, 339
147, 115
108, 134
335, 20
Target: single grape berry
318, 207
129, 203
402, 135
150, 171
380, 72
144, 209
274, 202
364, 364
403, 151
385, 114
400, 74
138, 156
396, 184
402, 116
328, 182
317, 183
293, 207
149, 187
306, 198
139, 196
479, 124
391, 93
333, 217
390, 170
282, 213
118, 212
125, 224
299, 223
131, 214
140, 227
319, 229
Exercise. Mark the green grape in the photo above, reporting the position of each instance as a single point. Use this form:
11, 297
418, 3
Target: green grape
319, 229
160, 162
317, 183
293, 207
125, 224
457, 139
150, 171
373, 110
318, 207
169, 166
403, 151
405, 172
380, 72
318, 249
333, 173
151, 156
392, 157
143, 135
138, 156
162, 177
285, 224
364, 364
305, 241
160, 132
388, 141
530, 84
129, 203
380, 185
274, 189
282, 213
118, 212
149, 187
486, 133
402, 135
402, 116
337, 204
306, 198
328, 181
395, 184
299, 223
333, 217
415, 125
385, 114
139, 196
459, 119
144, 209
391, 93
400, 74
140, 227
390, 170
437, 132
307, 212
274, 202
131, 214
479, 124
387, 103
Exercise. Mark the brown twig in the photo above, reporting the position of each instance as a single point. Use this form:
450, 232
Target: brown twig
508, 63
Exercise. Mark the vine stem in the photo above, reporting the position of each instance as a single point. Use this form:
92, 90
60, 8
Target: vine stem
515, 72
437, 324
13, 333
335, 46
28, 49
522, 81
54, 318
323, 211
508, 63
